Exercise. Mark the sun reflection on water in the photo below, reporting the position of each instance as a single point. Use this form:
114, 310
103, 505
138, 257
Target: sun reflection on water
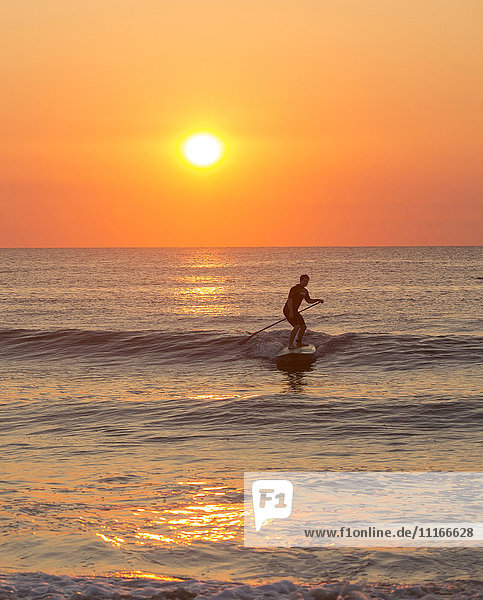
221, 396
210, 298
197, 522
141, 575
115, 541
204, 291
199, 518
203, 258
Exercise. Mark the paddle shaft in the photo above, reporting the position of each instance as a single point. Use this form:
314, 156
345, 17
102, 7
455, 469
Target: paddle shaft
276, 323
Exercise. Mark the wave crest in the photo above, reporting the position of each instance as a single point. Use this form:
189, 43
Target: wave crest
357, 349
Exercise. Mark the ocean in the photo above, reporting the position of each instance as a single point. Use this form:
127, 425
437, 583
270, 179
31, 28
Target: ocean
130, 410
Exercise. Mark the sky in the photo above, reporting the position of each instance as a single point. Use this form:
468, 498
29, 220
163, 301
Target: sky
346, 122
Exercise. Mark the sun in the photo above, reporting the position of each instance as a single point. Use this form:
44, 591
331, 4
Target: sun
202, 150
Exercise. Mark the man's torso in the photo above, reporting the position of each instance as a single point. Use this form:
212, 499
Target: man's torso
297, 293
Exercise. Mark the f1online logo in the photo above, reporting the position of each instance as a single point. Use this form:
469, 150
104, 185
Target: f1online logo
272, 499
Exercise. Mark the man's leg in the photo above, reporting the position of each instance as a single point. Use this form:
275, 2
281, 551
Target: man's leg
302, 329
293, 333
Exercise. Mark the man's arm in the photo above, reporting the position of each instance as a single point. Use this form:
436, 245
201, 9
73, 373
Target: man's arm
311, 300
290, 306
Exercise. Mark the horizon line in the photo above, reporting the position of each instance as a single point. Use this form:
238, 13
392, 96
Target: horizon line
202, 246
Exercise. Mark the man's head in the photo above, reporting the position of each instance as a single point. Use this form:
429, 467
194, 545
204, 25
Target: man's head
304, 279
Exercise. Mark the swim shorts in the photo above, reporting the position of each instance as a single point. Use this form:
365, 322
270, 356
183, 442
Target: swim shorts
297, 318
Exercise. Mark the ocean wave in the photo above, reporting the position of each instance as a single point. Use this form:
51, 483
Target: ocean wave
115, 345
371, 349
356, 349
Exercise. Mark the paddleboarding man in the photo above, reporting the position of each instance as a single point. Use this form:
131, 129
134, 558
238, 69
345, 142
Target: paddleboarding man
291, 311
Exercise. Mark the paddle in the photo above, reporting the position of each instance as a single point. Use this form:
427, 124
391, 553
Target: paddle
276, 323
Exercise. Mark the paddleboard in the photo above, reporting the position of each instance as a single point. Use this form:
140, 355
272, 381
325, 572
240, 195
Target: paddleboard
302, 352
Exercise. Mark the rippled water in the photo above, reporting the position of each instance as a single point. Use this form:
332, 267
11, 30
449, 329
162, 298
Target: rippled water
129, 410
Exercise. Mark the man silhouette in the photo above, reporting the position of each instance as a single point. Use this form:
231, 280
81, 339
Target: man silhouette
291, 311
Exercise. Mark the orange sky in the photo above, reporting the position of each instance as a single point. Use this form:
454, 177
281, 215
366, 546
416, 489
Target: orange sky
347, 122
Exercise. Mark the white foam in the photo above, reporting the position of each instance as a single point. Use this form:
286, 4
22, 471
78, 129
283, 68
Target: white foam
268, 344
43, 586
